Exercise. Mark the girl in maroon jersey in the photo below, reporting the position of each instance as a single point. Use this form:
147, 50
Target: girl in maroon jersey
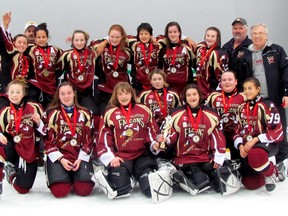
44, 58
198, 140
127, 137
18, 124
176, 58
113, 61
78, 67
211, 61
226, 102
68, 144
18, 63
160, 99
258, 131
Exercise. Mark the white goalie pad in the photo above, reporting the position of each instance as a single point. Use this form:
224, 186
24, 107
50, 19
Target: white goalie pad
161, 185
99, 178
230, 177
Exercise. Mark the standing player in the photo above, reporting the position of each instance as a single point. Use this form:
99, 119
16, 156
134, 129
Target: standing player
211, 61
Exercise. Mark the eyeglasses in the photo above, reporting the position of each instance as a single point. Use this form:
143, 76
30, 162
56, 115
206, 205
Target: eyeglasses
255, 34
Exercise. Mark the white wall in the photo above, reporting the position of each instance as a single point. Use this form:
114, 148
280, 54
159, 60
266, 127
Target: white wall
194, 16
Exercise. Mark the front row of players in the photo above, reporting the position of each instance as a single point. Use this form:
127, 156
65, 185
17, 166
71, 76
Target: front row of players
129, 141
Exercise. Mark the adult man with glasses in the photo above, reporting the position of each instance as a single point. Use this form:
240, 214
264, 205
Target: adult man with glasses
268, 62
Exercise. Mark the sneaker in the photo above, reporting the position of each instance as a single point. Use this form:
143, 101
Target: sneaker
270, 182
281, 171
10, 172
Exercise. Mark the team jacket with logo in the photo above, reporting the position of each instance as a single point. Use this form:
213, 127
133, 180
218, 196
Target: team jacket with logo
149, 99
114, 139
109, 73
182, 61
211, 144
68, 64
215, 100
263, 123
59, 135
44, 67
26, 147
208, 74
142, 62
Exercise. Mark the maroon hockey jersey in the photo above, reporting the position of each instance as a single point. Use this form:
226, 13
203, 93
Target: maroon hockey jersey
205, 144
126, 140
26, 146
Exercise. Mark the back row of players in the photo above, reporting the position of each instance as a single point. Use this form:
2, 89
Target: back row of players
108, 60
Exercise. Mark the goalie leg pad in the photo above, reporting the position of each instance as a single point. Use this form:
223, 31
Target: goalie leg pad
120, 180
161, 185
104, 185
185, 183
230, 177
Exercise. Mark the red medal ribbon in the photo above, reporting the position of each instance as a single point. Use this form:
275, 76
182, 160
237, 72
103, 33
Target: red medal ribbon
205, 55
17, 117
72, 128
25, 66
127, 114
81, 65
199, 115
164, 107
46, 58
115, 63
226, 105
146, 60
254, 114
173, 54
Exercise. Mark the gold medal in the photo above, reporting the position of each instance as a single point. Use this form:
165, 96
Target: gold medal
147, 71
17, 139
73, 142
196, 138
115, 74
129, 132
46, 73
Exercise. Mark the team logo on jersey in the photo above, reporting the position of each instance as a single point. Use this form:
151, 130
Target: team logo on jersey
240, 54
118, 117
271, 59
184, 124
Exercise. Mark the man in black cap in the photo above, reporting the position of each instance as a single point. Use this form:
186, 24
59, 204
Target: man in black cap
237, 46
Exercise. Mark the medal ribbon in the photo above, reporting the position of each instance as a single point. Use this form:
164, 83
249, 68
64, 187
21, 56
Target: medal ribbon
115, 63
72, 128
164, 107
173, 54
46, 58
81, 65
207, 54
254, 114
25, 66
127, 114
17, 117
226, 105
199, 115
146, 60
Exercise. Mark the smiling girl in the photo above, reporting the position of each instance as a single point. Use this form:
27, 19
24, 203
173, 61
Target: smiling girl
18, 125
